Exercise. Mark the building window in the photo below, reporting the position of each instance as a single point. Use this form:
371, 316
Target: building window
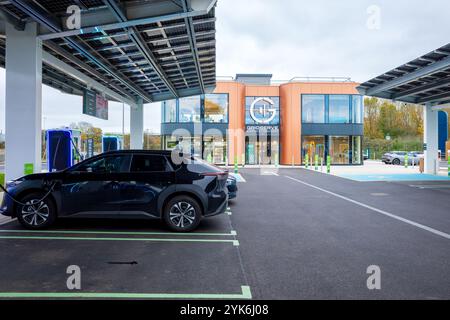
170, 111
216, 108
357, 107
215, 149
356, 150
339, 109
262, 110
313, 108
189, 109
312, 146
339, 149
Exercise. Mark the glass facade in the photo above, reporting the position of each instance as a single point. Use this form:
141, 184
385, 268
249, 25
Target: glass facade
169, 111
208, 108
189, 109
357, 108
262, 147
215, 149
312, 146
339, 149
313, 108
356, 150
342, 149
335, 108
339, 109
262, 128
216, 108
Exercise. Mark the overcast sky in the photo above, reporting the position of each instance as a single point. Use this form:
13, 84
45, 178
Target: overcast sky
290, 38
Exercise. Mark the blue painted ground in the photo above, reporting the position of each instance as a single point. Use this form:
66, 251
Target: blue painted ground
238, 176
394, 177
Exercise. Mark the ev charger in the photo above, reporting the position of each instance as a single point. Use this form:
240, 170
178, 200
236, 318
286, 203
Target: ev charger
62, 149
111, 143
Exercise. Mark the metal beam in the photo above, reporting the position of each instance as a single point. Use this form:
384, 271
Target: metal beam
435, 98
64, 67
193, 44
423, 88
141, 45
8, 17
425, 71
60, 51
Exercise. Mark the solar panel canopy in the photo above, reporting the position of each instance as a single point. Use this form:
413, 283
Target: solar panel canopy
425, 80
152, 50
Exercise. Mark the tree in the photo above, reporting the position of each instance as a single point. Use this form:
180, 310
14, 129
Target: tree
371, 129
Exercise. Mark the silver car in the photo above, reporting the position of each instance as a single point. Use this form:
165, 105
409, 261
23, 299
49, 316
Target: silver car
398, 157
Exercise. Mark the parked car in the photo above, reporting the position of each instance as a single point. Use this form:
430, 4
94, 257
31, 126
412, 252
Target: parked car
393, 157
398, 157
413, 158
122, 184
232, 186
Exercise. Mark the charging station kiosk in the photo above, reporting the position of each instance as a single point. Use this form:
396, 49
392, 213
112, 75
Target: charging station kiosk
112, 143
63, 147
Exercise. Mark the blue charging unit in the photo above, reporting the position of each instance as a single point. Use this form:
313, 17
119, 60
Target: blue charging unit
442, 131
111, 143
62, 149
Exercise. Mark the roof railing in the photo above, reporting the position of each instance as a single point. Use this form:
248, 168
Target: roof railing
296, 79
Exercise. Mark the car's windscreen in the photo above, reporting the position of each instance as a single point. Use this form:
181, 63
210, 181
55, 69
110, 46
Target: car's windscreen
109, 164
149, 163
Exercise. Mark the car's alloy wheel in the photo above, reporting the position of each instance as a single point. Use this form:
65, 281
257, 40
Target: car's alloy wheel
396, 161
182, 214
36, 213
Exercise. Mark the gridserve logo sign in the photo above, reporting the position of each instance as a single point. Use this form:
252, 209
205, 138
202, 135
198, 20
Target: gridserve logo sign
263, 110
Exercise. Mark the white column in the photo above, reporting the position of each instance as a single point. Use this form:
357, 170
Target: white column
137, 126
23, 102
431, 139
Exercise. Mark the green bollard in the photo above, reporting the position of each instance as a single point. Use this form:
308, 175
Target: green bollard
448, 162
328, 164
28, 168
307, 162
236, 170
316, 162
406, 160
2, 179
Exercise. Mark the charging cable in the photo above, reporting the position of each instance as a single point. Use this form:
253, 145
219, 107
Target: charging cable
27, 204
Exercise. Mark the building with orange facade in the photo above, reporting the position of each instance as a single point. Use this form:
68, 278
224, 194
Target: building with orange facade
254, 120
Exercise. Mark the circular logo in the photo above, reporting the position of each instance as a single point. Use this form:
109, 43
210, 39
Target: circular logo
262, 110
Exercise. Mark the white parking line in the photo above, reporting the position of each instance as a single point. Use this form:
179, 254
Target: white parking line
390, 215
5, 220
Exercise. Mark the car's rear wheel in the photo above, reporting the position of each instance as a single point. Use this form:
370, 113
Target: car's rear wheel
182, 214
396, 162
36, 213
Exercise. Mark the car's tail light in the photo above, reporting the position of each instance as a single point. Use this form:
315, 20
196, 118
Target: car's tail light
220, 175
221, 180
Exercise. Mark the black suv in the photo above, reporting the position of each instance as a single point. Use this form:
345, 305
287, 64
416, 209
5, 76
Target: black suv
122, 184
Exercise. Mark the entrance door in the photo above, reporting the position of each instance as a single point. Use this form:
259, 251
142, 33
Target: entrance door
262, 150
